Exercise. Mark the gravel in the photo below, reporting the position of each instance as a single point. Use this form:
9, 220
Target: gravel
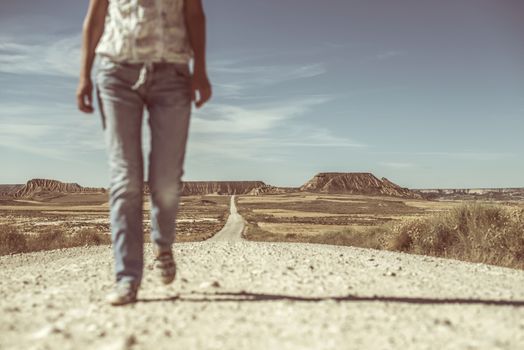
233, 295
232, 230
254, 295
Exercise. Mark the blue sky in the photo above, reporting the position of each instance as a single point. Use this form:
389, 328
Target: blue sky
426, 93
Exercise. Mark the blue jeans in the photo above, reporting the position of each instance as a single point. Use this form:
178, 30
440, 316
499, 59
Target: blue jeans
123, 90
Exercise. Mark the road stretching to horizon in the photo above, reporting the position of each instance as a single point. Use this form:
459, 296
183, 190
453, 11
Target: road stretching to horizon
232, 230
236, 294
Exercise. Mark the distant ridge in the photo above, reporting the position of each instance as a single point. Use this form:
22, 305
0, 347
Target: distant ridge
356, 183
47, 187
504, 193
191, 188
8, 190
219, 187
269, 189
328, 182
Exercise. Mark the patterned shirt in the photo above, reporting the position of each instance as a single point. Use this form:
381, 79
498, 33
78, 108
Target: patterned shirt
139, 31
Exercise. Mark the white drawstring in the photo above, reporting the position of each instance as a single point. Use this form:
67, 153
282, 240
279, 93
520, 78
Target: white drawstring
142, 75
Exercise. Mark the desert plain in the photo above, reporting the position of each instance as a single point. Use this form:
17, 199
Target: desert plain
296, 268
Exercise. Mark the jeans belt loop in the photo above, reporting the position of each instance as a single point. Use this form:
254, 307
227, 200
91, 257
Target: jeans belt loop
147, 66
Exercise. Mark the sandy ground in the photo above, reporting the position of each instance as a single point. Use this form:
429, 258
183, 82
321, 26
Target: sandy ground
250, 295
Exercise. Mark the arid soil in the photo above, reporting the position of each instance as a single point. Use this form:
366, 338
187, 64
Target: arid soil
199, 216
284, 217
260, 296
251, 295
280, 217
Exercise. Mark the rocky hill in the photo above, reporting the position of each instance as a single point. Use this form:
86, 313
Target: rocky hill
496, 194
45, 187
190, 188
9, 190
356, 183
269, 189
218, 187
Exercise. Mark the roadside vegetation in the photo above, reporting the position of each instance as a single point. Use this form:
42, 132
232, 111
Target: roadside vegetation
475, 232
12, 241
30, 227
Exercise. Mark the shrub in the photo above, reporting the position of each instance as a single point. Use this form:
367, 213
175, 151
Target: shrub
475, 232
372, 238
89, 237
11, 241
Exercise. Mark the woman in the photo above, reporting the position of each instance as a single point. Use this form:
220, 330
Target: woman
144, 47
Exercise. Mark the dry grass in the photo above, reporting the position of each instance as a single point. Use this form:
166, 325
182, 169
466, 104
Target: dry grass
487, 233
78, 220
351, 236
475, 232
12, 241
33, 226
372, 205
370, 238
314, 214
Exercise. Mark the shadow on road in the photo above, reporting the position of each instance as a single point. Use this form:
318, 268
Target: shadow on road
246, 296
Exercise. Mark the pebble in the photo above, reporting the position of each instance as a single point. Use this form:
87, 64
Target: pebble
254, 307
46, 331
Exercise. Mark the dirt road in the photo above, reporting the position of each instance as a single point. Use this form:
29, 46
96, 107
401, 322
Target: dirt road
232, 230
250, 295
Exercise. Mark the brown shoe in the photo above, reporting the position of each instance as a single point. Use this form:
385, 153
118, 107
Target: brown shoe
124, 293
166, 266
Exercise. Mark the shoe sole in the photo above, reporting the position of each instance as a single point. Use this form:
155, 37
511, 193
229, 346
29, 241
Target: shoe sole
122, 302
168, 280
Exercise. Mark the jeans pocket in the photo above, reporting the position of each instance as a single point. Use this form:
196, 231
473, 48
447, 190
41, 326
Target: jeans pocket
100, 105
181, 70
107, 65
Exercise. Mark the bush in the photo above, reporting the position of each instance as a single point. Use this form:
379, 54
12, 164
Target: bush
372, 238
89, 237
46, 241
474, 232
486, 233
11, 241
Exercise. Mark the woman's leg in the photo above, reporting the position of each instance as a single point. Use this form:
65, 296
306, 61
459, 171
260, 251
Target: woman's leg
169, 106
121, 109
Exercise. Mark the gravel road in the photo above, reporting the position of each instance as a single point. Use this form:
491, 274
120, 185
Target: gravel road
253, 295
232, 230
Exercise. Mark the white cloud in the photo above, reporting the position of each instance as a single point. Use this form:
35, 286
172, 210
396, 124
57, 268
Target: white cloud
28, 146
227, 118
268, 132
57, 130
237, 81
50, 56
276, 72
268, 148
